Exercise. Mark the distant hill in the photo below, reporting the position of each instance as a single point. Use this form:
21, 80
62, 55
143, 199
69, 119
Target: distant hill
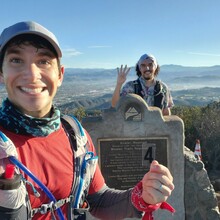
196, 97
183, 82
179, 68
192, 97
170, 74
93, 88
164, 69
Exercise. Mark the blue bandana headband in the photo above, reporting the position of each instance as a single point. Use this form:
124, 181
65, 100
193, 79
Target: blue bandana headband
145, 57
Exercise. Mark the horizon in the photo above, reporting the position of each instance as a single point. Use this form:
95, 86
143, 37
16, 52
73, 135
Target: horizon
106, 34
218, 65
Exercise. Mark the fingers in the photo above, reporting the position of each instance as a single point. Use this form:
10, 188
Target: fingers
159, 168
122, 74
123, 70
152, 196
157, 184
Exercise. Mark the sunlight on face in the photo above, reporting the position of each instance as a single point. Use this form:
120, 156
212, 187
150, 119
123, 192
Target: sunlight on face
147, 69
31, 77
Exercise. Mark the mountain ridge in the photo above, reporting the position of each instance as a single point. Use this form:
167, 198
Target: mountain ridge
91, 88
189, 85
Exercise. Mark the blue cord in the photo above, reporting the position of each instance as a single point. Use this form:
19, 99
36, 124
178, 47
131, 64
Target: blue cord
82, 176
35, 179
79, 125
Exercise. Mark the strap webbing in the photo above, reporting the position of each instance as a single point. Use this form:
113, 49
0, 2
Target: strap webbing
50, 207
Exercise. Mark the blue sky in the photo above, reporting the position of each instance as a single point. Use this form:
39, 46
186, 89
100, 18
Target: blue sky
108, 33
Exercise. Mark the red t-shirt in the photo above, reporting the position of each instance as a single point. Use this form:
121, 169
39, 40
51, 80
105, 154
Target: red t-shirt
51, 160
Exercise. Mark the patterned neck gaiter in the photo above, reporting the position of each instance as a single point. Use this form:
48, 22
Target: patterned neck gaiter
14, 121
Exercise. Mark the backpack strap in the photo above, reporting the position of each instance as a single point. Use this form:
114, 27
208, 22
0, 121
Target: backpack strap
84, 166
158, 92
158, 95
138, 88
76, 133
78, 142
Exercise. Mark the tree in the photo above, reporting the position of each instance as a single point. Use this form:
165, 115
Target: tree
80, 113
191, 116
201, 123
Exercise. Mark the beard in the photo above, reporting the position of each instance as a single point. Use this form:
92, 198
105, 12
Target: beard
147, 78
149, 75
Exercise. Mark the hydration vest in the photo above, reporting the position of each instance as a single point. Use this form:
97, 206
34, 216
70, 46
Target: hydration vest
84, 167
158, 92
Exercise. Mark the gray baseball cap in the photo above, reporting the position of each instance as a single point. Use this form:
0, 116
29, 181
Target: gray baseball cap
147, 56
29, 27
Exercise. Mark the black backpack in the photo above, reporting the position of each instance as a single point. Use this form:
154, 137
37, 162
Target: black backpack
158, 92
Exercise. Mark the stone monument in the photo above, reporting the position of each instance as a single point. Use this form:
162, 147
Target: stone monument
129, 137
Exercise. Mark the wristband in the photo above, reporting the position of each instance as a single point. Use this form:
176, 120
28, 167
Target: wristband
141, 205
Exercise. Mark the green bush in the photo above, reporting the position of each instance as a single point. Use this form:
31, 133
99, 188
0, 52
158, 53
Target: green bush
201, 123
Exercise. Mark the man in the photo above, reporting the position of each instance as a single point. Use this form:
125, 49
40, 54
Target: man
154, 92
57, 169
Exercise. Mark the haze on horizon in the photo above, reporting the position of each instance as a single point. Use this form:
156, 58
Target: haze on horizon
106, 34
